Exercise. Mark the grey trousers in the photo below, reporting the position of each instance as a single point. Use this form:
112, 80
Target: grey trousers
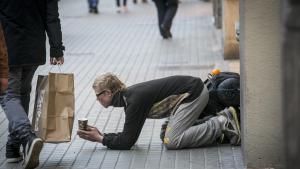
180, 132
15, 102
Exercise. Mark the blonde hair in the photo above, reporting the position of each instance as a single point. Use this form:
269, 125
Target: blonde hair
108, 81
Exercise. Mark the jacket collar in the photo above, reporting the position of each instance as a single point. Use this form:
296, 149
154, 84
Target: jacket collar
119, 100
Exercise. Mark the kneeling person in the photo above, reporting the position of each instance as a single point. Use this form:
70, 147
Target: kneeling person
182, 98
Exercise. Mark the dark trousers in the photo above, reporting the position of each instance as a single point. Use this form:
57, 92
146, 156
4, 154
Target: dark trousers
166, 10
119, 4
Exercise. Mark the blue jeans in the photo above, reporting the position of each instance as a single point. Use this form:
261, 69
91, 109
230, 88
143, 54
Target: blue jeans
93, 3
15, 102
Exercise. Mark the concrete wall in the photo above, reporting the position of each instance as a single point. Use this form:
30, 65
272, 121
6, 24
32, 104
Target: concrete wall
260, 45
291, 82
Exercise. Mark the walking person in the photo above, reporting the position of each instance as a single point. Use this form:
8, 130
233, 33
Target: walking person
181, 98
25, 25
93, 6
166, 11
125, 9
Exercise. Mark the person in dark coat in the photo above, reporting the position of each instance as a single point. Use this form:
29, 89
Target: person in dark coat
25, 25
166, 11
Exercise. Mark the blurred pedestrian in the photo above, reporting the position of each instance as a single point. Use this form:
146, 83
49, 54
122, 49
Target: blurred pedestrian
93, 6
125, 9
3, 63
166, 10
25, 24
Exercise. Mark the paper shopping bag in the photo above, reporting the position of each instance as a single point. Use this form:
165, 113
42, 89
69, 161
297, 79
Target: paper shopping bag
53, 113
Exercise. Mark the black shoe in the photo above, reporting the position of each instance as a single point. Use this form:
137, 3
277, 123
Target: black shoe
165, 32
96, 10
13, 154
91, 10
31, 152
134, 1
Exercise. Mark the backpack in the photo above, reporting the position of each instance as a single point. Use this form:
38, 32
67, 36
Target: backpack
224, 91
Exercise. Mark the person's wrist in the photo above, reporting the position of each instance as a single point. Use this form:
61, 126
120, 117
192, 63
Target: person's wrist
100, 139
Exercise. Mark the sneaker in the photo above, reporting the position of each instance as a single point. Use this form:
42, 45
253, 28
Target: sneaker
31, 152
13, 154
232, 128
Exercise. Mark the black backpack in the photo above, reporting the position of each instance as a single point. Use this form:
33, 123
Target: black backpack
224, 91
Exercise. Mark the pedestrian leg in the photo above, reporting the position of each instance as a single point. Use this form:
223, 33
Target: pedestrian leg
15, 103
95, 6
90, 6
171, 10
27, 75
169, 15
16, 100
125, 6
161, 9
118, 6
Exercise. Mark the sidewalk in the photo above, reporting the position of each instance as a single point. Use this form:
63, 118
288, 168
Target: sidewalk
129, 45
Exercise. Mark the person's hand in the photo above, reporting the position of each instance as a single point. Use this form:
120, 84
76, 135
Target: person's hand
57, 61
3, 84
92, 134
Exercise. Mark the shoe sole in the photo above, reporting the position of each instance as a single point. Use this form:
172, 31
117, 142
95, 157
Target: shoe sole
235, 118
32, 158
14, 160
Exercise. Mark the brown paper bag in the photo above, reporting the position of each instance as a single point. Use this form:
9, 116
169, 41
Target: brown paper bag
54, 106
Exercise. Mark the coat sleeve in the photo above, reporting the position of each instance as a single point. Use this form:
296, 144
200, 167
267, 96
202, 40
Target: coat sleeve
53, 29
3, 55
134, 121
